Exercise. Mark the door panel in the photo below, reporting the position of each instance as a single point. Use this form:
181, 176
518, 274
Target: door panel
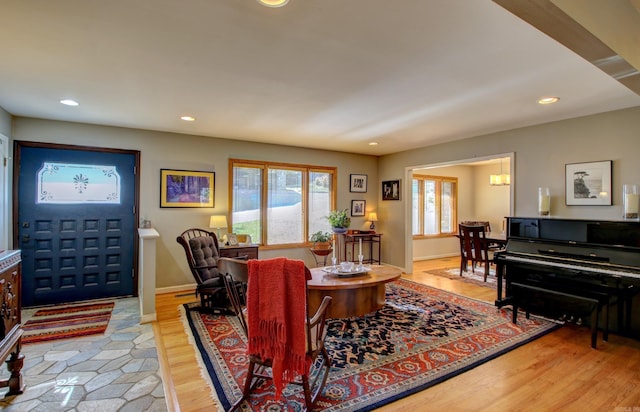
75, 249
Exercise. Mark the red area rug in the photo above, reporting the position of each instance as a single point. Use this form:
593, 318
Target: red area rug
421, 337
69, 321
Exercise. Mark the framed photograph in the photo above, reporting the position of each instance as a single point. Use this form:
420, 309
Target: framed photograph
186, 188
391, 190
588, 183
358, 207
232, 239
358, 183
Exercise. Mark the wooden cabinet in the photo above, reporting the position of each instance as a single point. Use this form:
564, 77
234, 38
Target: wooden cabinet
10, 320
239, 252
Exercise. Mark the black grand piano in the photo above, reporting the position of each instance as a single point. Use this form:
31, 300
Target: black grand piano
571, 269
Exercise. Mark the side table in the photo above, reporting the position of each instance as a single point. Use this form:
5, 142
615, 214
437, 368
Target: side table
240, 251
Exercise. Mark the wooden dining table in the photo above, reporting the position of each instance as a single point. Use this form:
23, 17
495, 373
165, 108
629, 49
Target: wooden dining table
498, 238
354, 295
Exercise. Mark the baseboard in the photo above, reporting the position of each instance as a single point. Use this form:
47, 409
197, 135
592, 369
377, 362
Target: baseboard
174, 289
444, 255
148, 318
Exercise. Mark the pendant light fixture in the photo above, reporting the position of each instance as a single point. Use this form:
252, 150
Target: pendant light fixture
503, 179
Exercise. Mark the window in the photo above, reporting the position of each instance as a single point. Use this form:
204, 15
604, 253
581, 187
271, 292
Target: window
280, 204
434, 205
70, 183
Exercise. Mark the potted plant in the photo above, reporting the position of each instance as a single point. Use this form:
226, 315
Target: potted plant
339, 220
321, 242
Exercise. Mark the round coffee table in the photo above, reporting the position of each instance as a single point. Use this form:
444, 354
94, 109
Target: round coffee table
352, 296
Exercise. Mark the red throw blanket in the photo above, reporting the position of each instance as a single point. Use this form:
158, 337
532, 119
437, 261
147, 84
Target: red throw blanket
276, 306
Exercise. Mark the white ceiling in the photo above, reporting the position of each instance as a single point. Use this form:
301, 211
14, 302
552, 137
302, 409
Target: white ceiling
330, 74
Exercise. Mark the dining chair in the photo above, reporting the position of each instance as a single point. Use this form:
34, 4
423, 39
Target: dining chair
473, 248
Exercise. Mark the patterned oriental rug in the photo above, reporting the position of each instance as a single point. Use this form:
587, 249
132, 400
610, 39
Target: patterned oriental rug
421, 337
69, 321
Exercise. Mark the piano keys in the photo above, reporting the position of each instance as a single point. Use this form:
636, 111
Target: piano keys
556, 266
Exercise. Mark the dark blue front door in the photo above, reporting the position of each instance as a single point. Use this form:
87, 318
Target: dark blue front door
76, 223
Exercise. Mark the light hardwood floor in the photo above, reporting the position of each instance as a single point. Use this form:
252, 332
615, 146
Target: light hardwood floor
557, 372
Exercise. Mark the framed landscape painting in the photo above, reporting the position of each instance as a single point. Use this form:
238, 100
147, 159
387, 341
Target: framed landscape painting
588, 183
186, 188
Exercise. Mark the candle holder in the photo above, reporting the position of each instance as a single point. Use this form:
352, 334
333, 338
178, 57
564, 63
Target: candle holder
544, 201
334, 263
630, 198
360, 257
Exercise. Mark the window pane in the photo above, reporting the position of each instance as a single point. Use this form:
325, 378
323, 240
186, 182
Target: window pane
415, 207
446, 220
319, 201
430, 211
247, 182
71, 183
285, 222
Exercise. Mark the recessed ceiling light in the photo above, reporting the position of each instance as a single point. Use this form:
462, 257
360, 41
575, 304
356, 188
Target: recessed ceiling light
69, 102
273, 3
548, 100
188, 118
373, 143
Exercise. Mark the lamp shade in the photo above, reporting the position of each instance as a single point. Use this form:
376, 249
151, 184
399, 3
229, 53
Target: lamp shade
218, 222
373, 217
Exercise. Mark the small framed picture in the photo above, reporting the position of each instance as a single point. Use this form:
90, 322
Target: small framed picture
391, 190
232, 239
588, 183
358, 184
358, 207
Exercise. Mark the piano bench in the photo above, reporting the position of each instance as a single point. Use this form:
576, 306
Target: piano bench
528, 297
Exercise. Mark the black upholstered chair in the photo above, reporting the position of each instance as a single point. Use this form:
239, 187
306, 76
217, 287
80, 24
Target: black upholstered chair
201, 249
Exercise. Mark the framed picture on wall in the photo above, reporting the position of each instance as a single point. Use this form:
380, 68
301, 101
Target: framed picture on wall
186, 188
588, 183
358, 207
358, 183
391, 190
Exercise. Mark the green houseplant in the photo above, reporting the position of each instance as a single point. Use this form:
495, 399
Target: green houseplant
339, 220
321, 237
321, 243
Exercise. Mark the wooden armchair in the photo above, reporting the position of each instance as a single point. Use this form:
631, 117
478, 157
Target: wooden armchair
201, 249
473, 247
289, 282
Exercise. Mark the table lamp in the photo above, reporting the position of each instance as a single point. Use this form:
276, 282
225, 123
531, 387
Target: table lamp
218, 222
373, 217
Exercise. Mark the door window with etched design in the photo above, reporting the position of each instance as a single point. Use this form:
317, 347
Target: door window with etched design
77, 183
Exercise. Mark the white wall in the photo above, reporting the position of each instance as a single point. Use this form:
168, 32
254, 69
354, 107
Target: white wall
5, 123
541, 153
177, 151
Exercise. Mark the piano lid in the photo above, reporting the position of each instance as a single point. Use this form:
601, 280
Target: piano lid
572, 231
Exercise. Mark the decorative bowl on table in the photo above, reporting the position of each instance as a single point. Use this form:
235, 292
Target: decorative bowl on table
344, 272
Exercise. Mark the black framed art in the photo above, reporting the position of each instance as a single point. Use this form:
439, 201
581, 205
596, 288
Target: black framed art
391, 190
358, 183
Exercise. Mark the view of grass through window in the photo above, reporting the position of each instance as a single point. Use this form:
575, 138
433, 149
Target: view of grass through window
278, 217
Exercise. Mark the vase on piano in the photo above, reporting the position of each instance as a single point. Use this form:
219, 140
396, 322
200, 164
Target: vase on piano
630, 201
544, 201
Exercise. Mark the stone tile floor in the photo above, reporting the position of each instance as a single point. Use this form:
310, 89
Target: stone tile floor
115, 371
